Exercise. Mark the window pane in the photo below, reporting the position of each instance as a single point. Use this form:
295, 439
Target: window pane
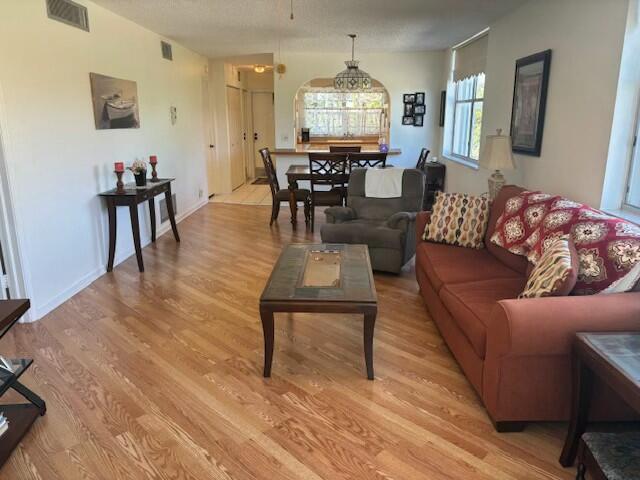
461, 129
480, 86
633, 195
476, 130
464, 89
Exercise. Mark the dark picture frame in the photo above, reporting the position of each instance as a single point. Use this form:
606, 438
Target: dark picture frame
443, 104
419, 98
409, 98
407, 120
419, 109
528, 109
418, 120
408, 109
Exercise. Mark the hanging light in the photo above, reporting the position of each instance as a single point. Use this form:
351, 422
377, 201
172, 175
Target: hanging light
352, 78
259, 68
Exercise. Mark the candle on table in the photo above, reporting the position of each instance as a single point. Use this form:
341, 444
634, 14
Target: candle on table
119, 166
153, 159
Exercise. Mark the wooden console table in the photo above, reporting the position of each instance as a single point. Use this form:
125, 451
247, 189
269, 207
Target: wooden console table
615, 359
20, 416
131, 197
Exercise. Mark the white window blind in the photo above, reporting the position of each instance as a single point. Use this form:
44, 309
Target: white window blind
471, 58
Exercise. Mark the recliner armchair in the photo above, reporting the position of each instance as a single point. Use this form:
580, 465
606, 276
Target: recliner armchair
385, 225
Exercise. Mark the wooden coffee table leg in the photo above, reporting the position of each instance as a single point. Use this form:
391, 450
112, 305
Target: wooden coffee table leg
369, 324
581, 398
266, 315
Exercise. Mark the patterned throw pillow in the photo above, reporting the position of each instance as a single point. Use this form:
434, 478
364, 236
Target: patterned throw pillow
556, 273
521, 217
458, 219
608, 247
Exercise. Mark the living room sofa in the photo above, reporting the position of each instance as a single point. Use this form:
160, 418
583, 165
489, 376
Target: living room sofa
515, 352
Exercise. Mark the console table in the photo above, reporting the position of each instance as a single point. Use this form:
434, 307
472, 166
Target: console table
20, 416
131, 196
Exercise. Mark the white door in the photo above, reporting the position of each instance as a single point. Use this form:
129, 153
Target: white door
208, 135
247, 134
264, 132
236, 152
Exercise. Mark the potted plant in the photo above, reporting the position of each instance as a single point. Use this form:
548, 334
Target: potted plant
139, 169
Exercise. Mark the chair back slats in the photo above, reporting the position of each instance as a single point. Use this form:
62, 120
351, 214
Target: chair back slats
367, 160
327, 168
270, 171
345, 148
422, 159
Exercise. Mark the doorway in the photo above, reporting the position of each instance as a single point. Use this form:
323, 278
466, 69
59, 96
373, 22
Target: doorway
236, 151
264, 132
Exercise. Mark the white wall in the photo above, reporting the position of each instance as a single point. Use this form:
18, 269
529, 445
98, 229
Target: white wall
586, 38
58, 162
399, 72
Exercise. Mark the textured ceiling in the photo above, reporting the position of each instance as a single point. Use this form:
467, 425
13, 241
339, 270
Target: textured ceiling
221, 28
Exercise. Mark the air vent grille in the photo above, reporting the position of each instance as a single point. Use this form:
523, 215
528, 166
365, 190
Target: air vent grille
167, 52
68, 12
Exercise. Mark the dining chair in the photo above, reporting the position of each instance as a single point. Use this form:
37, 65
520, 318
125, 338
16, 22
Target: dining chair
327, 169
367, 160
422, 159
345, 149
279, 195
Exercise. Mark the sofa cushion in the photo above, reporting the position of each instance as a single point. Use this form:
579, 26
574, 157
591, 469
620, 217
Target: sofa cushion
556, 273
374, 234
458, 219
511, 260
470, 305
445, 264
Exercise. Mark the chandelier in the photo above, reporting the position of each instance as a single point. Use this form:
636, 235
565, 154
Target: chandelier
352, 78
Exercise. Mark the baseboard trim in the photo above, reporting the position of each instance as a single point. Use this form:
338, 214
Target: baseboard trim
37, 312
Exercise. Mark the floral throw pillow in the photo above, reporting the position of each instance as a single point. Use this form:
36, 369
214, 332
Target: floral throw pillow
521, 217
556, 272
608, 247
458, 219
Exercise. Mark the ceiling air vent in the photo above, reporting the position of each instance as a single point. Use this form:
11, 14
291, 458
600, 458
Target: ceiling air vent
68, 12
166, 50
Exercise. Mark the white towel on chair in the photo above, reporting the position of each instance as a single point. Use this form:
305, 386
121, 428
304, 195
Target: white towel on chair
383, 182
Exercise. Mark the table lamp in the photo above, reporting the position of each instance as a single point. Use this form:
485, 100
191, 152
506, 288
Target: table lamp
496, 155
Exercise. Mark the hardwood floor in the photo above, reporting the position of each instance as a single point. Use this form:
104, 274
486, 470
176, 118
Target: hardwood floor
159, 376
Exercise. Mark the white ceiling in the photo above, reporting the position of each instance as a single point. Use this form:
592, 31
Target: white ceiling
222, 28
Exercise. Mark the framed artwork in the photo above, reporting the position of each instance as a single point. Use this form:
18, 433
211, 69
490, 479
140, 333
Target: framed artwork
419, 98
408, 109
529, 103
409, 97
443, 104
407, 120
419, 109
115, 102
418, 120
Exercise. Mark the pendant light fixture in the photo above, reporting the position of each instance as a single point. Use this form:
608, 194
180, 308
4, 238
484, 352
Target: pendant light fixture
352, 78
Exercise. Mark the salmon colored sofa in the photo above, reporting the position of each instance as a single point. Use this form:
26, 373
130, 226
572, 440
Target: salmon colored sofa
515, 352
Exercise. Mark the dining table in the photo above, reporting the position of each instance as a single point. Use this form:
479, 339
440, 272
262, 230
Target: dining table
301, 172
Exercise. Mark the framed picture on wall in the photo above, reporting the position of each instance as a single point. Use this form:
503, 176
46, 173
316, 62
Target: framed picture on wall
529, 103
408, 109
407, 120
419, 109
418, 120
443, 104
420, 98
409, 98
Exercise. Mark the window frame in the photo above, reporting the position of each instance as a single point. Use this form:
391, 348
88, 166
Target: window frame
635, 157
468, 160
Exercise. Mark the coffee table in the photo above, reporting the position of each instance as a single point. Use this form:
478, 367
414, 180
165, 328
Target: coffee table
325, 278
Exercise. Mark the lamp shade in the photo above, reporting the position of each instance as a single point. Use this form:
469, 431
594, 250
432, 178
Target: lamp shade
496, 154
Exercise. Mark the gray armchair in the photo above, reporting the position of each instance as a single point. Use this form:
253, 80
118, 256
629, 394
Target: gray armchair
385, 225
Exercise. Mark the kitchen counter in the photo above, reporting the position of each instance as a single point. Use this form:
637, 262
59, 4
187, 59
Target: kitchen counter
304, 148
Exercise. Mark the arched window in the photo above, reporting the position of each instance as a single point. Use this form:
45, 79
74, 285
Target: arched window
329, 113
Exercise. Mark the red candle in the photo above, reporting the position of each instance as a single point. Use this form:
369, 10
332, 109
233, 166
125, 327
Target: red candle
119, 166
153, 159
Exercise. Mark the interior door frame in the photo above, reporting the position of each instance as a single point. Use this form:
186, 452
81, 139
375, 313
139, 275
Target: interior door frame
244, 165
253, 142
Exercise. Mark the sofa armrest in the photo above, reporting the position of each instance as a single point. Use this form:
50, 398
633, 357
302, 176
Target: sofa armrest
339, 214
401, 220
421, 222
546, 326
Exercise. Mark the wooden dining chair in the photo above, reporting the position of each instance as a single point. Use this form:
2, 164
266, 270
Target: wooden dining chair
367, 160
279, 195
345, 148
327, 169
422, 159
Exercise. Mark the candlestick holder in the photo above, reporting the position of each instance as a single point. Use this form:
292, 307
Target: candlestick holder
154, 174
119, 183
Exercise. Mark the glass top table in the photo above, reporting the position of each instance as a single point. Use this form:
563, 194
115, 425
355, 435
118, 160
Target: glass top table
321, 278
